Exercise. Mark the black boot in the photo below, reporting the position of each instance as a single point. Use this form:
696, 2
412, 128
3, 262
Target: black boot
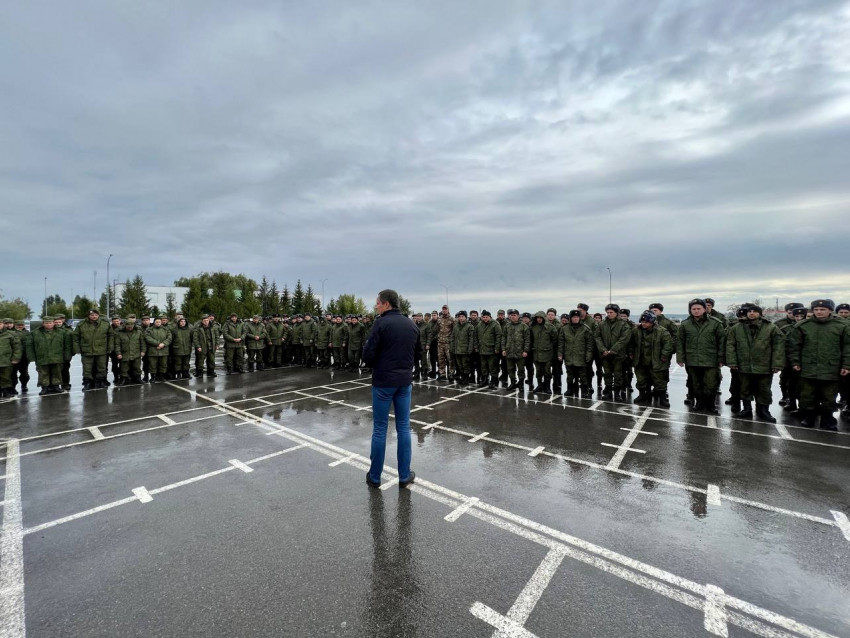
607, 393
763, 412
494, 382
810, 418
747, 412
698, 404
828, 421
688, 400
513, 386
643, 397
736, 405
44, 390
784, 400
211, 373
791, 405
709, 403
147, 378
662, 400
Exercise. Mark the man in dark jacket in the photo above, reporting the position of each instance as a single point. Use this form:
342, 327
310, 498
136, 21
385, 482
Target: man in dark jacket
390, 351
700, 349
651, 349
93, 340
612, 340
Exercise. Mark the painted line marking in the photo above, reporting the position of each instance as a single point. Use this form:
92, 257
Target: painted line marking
95, 432
595, 405
624, 449
478, 437
460, 510
424, 407
389, 484
713, 494
345, 459
552, 398
240, 465
165, 419
263, 401
783, 432
715, 611
842, 522
506, 626
639, 431
615, 462
142, 494
431, 425
712, 422
12, 550
537, 450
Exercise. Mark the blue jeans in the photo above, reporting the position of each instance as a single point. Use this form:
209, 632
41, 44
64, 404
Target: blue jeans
399, 397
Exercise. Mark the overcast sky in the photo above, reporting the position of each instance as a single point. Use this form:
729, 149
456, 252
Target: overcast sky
511, 150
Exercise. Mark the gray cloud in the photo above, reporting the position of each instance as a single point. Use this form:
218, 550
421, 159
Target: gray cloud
513, 151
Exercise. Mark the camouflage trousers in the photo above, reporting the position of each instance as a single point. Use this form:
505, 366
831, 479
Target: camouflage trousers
444, 359
50, 374
577, 376
817, 394
757, 386
516, 365
649, 379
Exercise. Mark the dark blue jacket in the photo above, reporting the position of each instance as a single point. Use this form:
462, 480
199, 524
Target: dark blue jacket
390, 350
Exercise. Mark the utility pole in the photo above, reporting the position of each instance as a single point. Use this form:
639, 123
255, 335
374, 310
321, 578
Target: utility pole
447, 292
94, 291
45, 297
108, 291
610, 278
323, 292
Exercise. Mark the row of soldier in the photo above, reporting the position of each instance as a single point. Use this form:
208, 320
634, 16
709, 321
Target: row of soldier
157, 349
810, 348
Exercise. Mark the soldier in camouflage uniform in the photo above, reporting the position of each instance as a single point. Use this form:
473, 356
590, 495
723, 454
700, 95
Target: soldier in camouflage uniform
783, 324
445, 326
324, 342
516, 345
130, 349
433, 347
462, 346
420, 365
205, 344
255, 342
488, 343
503, 362
22, 370
234, 342
309, 335
474, 358
10, 354
356, 341
61, 326
340, 343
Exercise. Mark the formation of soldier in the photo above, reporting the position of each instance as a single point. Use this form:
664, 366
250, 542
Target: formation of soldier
810, 349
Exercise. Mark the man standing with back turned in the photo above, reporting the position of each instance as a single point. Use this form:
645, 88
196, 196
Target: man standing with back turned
390, 351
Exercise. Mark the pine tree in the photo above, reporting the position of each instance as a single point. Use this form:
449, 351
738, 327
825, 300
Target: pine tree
404, 305
134, 298
81, 307
274, 300
309, 301
263, 295
170, 305
285, 301
298, 298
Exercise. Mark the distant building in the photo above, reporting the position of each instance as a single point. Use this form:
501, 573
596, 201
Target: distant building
156, 295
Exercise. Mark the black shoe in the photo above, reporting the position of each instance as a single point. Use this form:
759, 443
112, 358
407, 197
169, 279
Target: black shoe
607, 394
828, 422
763, 412
44, 390
845, 415
688, 401
663, 401
586, 392
212, 373
12, 392
810, 418
791, 406
24, 389
147, 378
370, 482
784, 400
747, 412
709, 404
513, 386
736, 405
643, 397
403, 484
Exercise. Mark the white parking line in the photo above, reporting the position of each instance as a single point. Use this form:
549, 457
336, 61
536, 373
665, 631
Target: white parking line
165, 419
842, 522
95, 432
623, 449
595, 405
460, 510
537, 450
639, 431
341, 461
614, 463
388, 484
715, 611
783, 432
12, 611
240, 465
478, 437
713, 494
142, 494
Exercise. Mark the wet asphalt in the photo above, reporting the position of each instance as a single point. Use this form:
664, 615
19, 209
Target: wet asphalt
298, 547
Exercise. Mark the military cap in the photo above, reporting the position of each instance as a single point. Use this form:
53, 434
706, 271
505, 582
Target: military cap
275, 316
612, 306
8, 320
660, 306
258, 317
417, 314
94, 311
800, 312
842, 306
710, 300
131, 322
59, 316
792, 306
526, 314
205, 316
626, 311
233, 314
583, 306
20, 322
758, 309
131, 316
500, 312
564, 316
741, 312
824, 303
574, 313
513, 311
145, 317
551, 310
696, 302
486, 313
597, 314
648, 316
307, 314
460, 312
337, 317
115, 318
48, 318
161, 317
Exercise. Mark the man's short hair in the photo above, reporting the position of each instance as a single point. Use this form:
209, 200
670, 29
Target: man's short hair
390, 297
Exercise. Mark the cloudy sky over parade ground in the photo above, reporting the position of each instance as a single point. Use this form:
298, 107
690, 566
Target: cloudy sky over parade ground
511, 150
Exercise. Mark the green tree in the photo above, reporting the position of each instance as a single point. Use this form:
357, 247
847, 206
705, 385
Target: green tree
134, 298
404, 305
285, 301
16, 309
54, 305
274, 299
310, 301
347, 304
170, 305
263, 295
220, 293
298, 298
81, 307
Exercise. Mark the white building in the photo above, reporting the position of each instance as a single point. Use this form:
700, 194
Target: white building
156, 295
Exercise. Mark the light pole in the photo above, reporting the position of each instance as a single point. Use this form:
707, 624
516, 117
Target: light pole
108, 291
93, 292
45, 297
114, 284
609, 285
447, 292
323, 292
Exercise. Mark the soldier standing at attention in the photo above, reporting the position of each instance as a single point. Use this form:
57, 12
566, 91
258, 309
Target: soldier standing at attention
48, 348
488, 339
575, 349
204, 343
181, 348
701, 347
255, 341
158, 338
628, 373
612, 341
433, 350
516, 344
587, 320
544, 341
462, 345
10, 355
93, 340
234, 334
651, 350
340, 343
528, 362
146, 362
324, 342
130, 348
356, 341
22, 369
503, 364
445, 325
309, 336
474, 358
65, 329
820, 375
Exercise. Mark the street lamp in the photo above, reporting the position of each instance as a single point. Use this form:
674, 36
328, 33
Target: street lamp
108, 291
45, 297
447, 292
609, 285
94, 290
